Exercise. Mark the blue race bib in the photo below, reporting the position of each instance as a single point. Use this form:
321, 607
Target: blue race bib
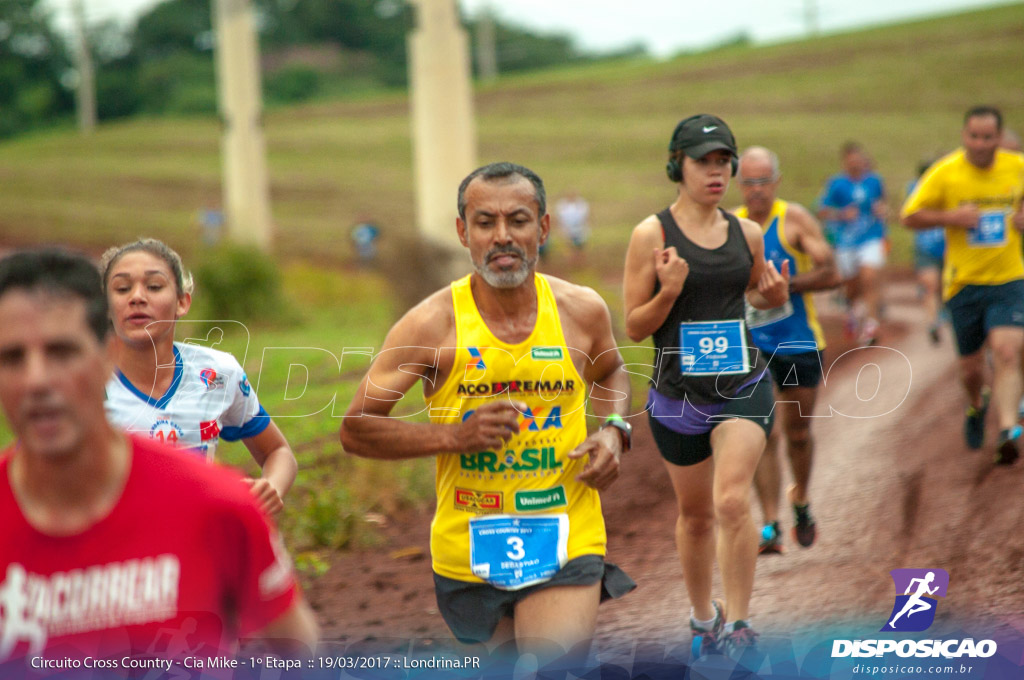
991, 230
713, 348
512, 551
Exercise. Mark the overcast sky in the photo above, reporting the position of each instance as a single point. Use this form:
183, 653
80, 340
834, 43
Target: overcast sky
664, 26
668, 26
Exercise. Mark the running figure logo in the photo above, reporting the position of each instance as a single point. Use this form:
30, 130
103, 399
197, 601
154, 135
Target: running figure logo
914, 610
16, 622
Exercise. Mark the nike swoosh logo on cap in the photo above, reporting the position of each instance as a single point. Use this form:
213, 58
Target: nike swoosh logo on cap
709, 128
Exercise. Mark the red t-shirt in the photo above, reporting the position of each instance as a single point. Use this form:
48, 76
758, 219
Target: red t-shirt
183, 565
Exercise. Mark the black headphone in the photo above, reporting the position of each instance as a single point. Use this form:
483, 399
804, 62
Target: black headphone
674, 169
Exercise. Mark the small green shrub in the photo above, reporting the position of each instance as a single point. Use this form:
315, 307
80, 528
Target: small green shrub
241, 284
312, 564
293, 84
328, 519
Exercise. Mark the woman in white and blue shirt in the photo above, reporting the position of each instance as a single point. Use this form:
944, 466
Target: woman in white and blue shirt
182, 394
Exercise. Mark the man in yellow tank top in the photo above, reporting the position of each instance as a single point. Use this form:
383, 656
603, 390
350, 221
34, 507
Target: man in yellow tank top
507, 358
975, 193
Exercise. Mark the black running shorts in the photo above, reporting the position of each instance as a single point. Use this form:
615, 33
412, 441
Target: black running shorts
473, 610
755, 403
796, 370
976, 310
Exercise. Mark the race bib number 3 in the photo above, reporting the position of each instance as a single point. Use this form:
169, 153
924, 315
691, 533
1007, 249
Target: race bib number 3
713, 348
512, 552
991, 230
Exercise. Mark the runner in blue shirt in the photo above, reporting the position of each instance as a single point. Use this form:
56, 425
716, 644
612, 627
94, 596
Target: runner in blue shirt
853, 208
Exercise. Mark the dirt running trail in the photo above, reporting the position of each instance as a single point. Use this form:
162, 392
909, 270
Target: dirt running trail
893, 486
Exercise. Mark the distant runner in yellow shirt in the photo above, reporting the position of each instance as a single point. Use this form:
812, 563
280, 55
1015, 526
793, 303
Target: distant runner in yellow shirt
975, 193
508, 358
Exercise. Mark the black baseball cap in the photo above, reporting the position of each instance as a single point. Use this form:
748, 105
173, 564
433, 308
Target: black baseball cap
699, 135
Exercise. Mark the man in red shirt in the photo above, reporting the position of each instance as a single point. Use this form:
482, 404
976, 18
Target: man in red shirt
112, 546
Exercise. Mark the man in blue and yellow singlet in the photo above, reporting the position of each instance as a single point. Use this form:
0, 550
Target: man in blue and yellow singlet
789, 336
507, 358
975, 193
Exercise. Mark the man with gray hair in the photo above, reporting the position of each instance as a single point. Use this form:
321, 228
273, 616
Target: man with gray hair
790, 336
508, 358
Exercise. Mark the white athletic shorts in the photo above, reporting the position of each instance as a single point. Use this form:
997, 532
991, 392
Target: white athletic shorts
868, 254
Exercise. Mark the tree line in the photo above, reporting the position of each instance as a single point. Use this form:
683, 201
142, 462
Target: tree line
163, 63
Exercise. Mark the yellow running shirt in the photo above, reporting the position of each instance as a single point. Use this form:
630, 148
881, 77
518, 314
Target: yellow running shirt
529, 514
990, 254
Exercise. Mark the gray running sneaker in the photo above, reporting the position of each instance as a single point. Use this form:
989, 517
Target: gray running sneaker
741, 639
1007, 451
706, 641
804, 529
771, 540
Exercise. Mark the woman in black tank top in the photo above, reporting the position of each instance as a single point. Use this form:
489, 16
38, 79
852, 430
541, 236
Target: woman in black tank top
690, 270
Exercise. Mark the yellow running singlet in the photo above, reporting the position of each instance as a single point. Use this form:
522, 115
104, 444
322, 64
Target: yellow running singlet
531, 476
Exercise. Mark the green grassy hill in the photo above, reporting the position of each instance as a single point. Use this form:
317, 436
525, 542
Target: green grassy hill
900, 90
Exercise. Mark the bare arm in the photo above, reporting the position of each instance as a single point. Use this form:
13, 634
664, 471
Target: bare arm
964, 217
767, 287
610, 390
850, 212
273, 454
880, 207
806, 234
294, 634
1018, 218
410, 353
647, 264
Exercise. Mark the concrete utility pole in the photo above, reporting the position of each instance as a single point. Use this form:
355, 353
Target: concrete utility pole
811, 17
486, 52
443, 129
85, 93
243, 150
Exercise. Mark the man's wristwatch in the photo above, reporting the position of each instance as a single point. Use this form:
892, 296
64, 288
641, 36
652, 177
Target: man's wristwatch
624, 428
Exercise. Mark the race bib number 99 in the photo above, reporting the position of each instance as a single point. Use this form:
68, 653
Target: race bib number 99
512, 552
713, 348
